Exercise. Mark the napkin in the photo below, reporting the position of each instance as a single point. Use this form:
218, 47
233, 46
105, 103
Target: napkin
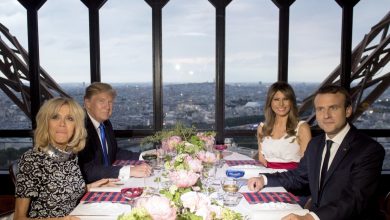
127, 162
242, 162
265, 197
113, 197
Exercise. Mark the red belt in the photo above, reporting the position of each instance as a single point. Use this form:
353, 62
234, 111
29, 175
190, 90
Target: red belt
277, 165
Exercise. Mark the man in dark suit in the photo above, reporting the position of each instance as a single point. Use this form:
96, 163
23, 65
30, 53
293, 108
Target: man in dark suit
345, 187
101, 148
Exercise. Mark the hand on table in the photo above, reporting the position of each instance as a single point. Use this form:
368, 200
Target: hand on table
141, 170
298, 217
107, 182
256, 183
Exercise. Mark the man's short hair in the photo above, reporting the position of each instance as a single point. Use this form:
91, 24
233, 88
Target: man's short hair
97, 88
333, 89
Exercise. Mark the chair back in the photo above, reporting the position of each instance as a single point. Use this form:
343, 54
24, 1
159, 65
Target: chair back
14, 170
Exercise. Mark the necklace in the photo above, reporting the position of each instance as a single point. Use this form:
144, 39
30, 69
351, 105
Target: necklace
58, 154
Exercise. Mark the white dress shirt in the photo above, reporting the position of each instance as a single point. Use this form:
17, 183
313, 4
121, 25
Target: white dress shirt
124, 172
335, 146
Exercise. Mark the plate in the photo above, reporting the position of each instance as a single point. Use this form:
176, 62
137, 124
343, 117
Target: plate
131, 193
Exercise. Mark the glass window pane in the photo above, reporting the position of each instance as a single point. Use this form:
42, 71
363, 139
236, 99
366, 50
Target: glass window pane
315, 30
189, 63
126, 61
377, 115
251, 60
64, 41
12, 17
11, 149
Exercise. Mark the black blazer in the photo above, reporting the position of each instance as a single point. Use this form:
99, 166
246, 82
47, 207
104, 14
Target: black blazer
91, 157
351, 182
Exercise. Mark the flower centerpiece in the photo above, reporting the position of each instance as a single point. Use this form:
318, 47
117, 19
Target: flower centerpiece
182, 139
182, 199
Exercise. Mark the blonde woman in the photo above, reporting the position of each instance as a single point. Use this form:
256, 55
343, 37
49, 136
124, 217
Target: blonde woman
49, 183
282, 138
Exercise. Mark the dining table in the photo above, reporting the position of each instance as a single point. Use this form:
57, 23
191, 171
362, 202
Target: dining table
271, 203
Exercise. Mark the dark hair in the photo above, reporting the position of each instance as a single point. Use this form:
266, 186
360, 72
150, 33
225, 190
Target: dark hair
333, 89
269, 115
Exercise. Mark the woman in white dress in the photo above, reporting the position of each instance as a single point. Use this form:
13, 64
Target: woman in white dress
282, 138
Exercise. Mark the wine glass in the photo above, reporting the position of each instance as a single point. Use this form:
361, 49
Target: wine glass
231, 197
219, 148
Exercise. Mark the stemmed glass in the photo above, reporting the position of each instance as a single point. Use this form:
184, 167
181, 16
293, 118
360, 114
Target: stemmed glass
208, 175
219, 148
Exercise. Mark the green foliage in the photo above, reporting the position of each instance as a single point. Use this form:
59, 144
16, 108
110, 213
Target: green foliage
187, 215
197, 145
136, 214
228, 214
174, 193
179, 130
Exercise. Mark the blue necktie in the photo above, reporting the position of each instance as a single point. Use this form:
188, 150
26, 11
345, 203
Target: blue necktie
103, 139
324, 169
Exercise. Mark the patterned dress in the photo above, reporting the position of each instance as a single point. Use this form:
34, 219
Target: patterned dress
54, 186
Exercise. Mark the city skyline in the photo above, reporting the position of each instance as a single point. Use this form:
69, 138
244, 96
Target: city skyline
189, 39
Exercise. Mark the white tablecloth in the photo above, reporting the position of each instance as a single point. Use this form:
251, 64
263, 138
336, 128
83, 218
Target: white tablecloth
268, 211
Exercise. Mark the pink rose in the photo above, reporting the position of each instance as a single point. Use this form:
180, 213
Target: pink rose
194, 164
158, 207
208, 140
170, 143
183, 178
207, 157
198, 203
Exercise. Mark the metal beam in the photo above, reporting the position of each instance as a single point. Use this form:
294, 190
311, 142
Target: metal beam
33, 49
284, 24
346, 41
94, 37
158, 116
220, 8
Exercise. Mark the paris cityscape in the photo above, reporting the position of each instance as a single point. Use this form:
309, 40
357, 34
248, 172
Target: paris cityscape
193, 104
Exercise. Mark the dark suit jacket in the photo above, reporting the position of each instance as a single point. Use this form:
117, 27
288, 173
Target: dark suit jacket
351, 183
91, 157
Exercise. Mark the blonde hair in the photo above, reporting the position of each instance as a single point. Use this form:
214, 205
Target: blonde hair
270, 115
51, 107
99, 87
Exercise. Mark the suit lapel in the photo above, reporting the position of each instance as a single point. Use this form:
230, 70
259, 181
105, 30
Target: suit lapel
319, 146
340, 154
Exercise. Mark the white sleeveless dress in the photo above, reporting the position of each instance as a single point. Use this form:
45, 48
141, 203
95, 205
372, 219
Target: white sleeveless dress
282, 150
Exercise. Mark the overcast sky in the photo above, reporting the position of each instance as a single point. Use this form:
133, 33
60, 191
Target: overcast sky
189, 39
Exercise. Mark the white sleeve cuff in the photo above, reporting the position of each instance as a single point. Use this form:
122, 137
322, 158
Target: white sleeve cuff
124, 173
314, 215
265, 179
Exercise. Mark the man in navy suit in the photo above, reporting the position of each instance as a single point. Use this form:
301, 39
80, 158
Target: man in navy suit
101, 148
346, 187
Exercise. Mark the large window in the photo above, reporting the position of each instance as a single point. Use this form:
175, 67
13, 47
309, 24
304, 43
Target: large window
251, 60
64, 42
189, 60
126, 61
189, 63
13, 17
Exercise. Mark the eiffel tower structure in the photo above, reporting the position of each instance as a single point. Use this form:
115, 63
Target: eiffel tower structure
368, 82
15, 78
